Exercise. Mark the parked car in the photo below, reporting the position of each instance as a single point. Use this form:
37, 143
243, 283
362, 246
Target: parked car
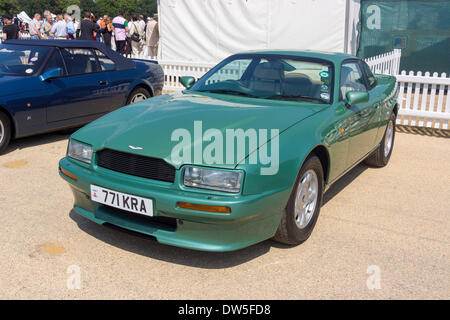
325, 112
48, 85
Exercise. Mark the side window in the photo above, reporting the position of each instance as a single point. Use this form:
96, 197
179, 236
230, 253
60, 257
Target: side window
106, 64
56, 61
231, 71
80, 61
370, 77
351, 79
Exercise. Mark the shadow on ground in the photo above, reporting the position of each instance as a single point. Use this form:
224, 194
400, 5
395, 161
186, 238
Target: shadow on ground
438, 133
343, 182
147, 246
38, 140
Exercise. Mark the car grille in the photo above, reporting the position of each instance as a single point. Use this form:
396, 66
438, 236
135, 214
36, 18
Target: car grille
136, 165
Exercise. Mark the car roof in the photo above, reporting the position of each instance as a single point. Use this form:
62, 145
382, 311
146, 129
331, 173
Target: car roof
58, 43
330, 56
121, 62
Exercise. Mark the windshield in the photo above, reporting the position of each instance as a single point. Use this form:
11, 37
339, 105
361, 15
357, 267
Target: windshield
273, 77
18, 60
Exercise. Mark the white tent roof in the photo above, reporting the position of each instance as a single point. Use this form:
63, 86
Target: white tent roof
210, 30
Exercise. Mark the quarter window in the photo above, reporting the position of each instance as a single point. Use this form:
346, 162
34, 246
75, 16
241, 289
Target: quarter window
370, 77
106, 64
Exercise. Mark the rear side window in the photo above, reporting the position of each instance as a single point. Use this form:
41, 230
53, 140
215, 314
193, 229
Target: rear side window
80, 61
370, 77
106, 64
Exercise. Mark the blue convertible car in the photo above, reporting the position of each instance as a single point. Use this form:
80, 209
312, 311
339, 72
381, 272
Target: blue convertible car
48, 85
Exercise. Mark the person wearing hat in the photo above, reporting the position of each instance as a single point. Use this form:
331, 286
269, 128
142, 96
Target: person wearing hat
10, 30
152, 36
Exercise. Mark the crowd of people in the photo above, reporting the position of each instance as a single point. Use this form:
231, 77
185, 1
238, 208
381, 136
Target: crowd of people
132, 35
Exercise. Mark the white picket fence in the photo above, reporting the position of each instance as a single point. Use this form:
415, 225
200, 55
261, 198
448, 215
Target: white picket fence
387, 63
424, 100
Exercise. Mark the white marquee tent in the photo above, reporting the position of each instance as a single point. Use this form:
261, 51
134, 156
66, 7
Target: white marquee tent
210, 30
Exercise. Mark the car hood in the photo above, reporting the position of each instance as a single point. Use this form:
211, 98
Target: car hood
146, 128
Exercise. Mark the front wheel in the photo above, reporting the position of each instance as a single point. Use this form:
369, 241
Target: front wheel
381, 156
138, 94
302, 210
5, 132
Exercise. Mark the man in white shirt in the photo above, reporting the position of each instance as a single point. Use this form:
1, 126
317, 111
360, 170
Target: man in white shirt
142, 22
59, 29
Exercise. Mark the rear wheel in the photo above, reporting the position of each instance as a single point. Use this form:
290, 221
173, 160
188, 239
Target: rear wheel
381, 156
302, 210
138, 94
5, 132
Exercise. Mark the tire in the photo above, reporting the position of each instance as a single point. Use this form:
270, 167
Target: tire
381, 156
291, 229
5, 132
136, 93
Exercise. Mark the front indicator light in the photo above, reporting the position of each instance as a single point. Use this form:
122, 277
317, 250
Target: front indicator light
68, 174
203, 207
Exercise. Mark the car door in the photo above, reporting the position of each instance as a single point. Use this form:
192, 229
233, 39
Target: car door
376, 95
81, 93
119, 80
361, 130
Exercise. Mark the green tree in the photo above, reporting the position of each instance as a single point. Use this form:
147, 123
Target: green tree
98, 7
9, 6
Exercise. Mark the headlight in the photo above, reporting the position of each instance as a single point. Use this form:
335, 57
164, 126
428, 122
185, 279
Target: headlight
220, 180
79, 151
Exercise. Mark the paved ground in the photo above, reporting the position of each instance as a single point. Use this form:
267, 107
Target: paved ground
393, 220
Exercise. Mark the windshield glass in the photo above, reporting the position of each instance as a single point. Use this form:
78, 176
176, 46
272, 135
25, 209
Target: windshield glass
271, 77
18, 60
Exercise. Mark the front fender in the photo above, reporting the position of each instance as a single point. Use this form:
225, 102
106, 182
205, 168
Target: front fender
295, 145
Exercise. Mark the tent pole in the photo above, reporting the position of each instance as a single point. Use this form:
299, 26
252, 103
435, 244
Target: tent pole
347, 13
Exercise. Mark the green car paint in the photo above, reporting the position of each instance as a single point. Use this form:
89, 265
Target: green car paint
340, 134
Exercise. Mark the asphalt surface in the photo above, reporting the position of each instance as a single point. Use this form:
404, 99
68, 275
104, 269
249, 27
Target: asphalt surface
382, 234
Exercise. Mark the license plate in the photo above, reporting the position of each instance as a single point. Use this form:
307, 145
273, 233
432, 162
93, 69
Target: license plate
122, 201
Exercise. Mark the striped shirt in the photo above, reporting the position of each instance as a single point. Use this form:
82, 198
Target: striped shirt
34, 26
120, 23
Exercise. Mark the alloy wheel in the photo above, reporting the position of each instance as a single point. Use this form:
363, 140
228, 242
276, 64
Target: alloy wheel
388, 140
306, 199
138, 97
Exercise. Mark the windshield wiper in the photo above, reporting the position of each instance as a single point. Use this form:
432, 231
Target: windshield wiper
295, 97
237, 93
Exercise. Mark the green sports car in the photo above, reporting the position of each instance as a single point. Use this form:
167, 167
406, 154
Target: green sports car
242, 155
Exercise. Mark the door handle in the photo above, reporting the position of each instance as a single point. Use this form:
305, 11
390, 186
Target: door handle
103, 82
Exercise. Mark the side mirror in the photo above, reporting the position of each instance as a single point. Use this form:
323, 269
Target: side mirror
355, 97
187, 82
51, 74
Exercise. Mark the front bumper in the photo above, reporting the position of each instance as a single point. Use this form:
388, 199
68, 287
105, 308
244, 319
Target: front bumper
253, 218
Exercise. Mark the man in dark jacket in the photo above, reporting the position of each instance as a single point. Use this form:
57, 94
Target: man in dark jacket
87, 28
10, 30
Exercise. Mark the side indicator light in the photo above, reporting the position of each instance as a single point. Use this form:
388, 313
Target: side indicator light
68, 174
203, 207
